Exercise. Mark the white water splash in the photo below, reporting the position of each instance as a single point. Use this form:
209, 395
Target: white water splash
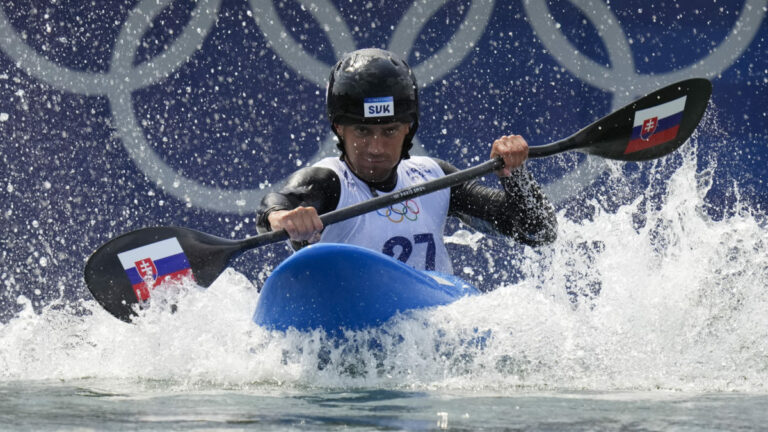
681, 306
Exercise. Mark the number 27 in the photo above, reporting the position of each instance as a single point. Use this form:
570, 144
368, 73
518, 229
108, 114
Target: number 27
406, 248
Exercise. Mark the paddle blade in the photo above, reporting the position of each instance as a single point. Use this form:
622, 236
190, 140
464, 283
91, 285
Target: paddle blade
123, 272
650, 127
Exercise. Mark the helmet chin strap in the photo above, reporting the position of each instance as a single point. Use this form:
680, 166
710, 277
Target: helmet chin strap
408, 141
339, 143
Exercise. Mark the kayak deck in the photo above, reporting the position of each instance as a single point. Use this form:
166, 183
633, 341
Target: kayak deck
336, 286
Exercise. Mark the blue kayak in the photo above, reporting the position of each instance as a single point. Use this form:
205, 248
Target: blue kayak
335, 286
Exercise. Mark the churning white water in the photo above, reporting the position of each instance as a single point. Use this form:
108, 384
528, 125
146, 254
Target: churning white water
681, 306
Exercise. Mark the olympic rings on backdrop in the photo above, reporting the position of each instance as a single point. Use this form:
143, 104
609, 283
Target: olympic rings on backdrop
408, 210
124, 77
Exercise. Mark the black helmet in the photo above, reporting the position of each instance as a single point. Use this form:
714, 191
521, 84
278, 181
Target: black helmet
373, 86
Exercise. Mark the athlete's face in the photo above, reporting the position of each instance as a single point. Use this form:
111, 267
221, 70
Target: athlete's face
373, 151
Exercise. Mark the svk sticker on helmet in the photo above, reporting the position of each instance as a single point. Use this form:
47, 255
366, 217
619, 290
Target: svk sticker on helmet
379, 106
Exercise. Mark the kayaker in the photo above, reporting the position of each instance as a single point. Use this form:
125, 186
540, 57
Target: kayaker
373, 108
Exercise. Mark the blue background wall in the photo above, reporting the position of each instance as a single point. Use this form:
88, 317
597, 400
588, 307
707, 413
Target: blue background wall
119, 115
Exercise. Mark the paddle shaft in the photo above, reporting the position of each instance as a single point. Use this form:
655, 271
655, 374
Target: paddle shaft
614, 136
607, 137
384, 201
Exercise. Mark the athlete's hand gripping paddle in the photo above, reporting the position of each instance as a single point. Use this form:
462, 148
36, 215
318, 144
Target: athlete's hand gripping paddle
122, 273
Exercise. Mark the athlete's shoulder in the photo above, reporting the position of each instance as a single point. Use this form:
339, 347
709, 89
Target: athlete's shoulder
433, 163
422, 162
419, 169
313, 175
332, 162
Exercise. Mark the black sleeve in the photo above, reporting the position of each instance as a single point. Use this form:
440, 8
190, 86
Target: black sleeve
519, 210
308, 187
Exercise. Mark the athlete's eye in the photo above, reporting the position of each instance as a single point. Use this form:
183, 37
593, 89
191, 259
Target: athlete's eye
361, 130
390, 131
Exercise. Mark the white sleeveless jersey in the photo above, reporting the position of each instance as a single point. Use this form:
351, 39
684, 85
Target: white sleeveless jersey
411, 231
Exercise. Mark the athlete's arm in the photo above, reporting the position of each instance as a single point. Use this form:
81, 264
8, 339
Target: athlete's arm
519, 210
307, 194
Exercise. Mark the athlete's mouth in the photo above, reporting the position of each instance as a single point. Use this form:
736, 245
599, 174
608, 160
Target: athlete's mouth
375, 160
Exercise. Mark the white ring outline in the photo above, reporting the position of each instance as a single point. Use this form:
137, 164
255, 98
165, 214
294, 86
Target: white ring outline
118, 86
103, 84
123, 78
619, 51
454, 52
614, 80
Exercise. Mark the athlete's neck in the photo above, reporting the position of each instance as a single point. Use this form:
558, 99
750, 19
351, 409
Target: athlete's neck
386, 185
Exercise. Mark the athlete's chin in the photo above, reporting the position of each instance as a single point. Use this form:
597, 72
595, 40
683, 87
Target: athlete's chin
375, 172
374, 176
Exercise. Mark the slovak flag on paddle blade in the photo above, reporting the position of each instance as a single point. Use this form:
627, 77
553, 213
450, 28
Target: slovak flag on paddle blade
153, 264
656, 125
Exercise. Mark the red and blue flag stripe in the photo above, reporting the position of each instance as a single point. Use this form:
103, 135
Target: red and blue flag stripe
151, 265
656, 125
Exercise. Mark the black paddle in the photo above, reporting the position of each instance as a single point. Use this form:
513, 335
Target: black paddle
120, 274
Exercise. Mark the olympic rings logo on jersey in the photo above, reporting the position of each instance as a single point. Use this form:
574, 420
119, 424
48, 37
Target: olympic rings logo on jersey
408, 210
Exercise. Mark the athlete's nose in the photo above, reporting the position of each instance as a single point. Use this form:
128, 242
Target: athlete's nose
376, 144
